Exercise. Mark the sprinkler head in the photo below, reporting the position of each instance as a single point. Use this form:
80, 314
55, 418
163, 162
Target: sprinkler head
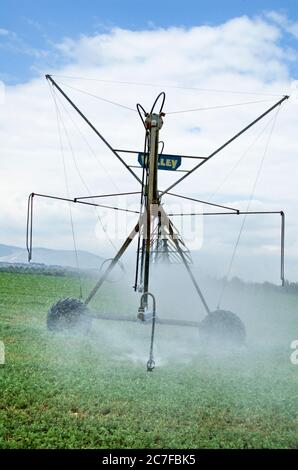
150, 365
141, 313
144, 316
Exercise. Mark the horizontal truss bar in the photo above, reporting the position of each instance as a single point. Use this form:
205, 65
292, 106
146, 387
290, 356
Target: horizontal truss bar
141, 168
282, 231
163, 251
226, 213
107, 207
75, 201
107, 195
202, 202
146, 153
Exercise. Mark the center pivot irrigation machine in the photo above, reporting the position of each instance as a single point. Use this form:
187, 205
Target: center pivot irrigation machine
157, 238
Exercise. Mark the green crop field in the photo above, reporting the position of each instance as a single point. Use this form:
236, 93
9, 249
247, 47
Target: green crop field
62, 391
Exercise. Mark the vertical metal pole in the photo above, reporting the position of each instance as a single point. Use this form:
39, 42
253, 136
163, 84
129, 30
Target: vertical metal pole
153, 123
282, 249
158, 242
29, 230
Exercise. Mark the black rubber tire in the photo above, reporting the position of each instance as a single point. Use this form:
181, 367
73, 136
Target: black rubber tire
69, 315
222, 326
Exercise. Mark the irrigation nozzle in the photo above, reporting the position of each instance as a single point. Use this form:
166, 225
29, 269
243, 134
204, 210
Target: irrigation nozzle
146, 317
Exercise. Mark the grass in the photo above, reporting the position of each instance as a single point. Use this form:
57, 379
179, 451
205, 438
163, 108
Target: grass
59, 391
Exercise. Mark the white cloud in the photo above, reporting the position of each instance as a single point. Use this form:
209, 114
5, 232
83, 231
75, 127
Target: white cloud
4, 32
284, 22
243, 54
201, 49
17, 44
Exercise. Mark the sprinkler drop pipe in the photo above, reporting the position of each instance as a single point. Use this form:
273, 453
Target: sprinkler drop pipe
143, 306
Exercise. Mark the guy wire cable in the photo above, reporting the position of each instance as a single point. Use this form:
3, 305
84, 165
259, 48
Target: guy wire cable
67, 191
225, 283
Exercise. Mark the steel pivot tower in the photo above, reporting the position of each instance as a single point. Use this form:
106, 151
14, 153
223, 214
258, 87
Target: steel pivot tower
157, 236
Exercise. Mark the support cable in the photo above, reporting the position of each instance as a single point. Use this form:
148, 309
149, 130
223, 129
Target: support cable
225, 283
228, 142
68, 194
203, 202
92, 152
209, 108
100, 98
238, 162
91, 197
179, 87
48, 77
82, 179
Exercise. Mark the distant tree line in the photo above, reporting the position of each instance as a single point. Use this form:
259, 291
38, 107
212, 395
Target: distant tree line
37, 269
288, 287
46, 270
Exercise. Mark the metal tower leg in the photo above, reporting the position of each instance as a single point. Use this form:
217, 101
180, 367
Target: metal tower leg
114, 262
184, 260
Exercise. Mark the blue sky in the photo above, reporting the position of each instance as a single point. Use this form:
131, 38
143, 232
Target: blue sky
29, 29
227, 48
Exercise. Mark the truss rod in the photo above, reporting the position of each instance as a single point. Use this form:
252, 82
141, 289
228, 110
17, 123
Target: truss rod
140, 168
107, 195
75, 201
202, 202
227, 143
223, 213
146, 153
48, 77
106, 207
113, 262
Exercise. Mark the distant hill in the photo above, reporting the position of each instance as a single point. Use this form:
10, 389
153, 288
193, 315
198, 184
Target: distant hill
14, 254
6, 250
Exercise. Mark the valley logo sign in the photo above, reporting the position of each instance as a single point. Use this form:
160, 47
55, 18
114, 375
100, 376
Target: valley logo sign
165, 162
